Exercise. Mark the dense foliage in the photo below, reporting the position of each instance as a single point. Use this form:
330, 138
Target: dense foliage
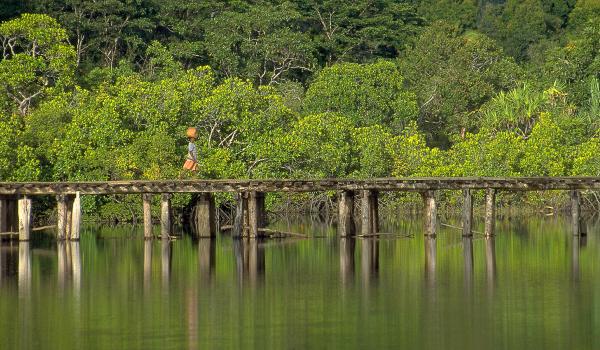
104, 90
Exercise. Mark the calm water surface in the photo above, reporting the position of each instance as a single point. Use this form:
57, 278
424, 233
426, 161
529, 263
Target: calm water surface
533, 286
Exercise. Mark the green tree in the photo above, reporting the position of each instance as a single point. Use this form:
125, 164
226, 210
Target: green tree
359, 31
263, 44
368, 94
453, 75
37, 59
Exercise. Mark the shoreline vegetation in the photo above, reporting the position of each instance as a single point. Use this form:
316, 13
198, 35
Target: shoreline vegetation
99, 91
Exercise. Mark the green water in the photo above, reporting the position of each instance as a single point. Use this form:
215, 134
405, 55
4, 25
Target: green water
533, 286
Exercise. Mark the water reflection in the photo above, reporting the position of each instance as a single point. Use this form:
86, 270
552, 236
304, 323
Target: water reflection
430, 260
577, 242
24, 269
490, 261
369, 260
166, 258
207, 258
468, 262
147, 264
69, 266
347, 248
250, 260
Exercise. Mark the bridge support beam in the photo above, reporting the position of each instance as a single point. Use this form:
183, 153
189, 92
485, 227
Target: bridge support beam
240, 215
61, 217
76, 218
13, 215
204, 216
490, 211
69, 222
346, 226
370, 212
467, 214
3, 214
147, 211
430, 213
576, 213
24, 218
256, 213
165, 216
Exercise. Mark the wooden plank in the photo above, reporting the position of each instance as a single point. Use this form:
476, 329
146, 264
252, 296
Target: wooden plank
309, 185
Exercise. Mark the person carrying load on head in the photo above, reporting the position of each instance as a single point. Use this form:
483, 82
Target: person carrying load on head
191, 160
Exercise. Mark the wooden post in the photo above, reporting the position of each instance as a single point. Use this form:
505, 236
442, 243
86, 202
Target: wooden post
165, 215
490, 211
240, 209
12, 213
374, 211
205, 212
369, 212
575, 213
430, 213
24, 218
69, 221
467, 219
61, 217
256, 215
3, 215
346, 226
147, 209
76, 218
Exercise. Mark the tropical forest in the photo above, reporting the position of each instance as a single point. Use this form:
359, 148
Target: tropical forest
97, 90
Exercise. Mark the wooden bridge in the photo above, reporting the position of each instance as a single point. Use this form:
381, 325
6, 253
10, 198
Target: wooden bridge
16, 200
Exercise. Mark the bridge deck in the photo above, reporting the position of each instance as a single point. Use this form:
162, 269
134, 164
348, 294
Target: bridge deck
380, 184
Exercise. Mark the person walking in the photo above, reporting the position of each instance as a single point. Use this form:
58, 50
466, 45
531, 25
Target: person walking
191, 161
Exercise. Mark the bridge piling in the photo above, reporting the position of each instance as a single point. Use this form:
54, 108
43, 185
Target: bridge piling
490, 211
147, 211
467, 214
204, 218
165, 215
369, 212
346, 226
430, 213
256, 213
61, 217
3, 214
240, 213
76, 218
575, 213
24, 218
69, 221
